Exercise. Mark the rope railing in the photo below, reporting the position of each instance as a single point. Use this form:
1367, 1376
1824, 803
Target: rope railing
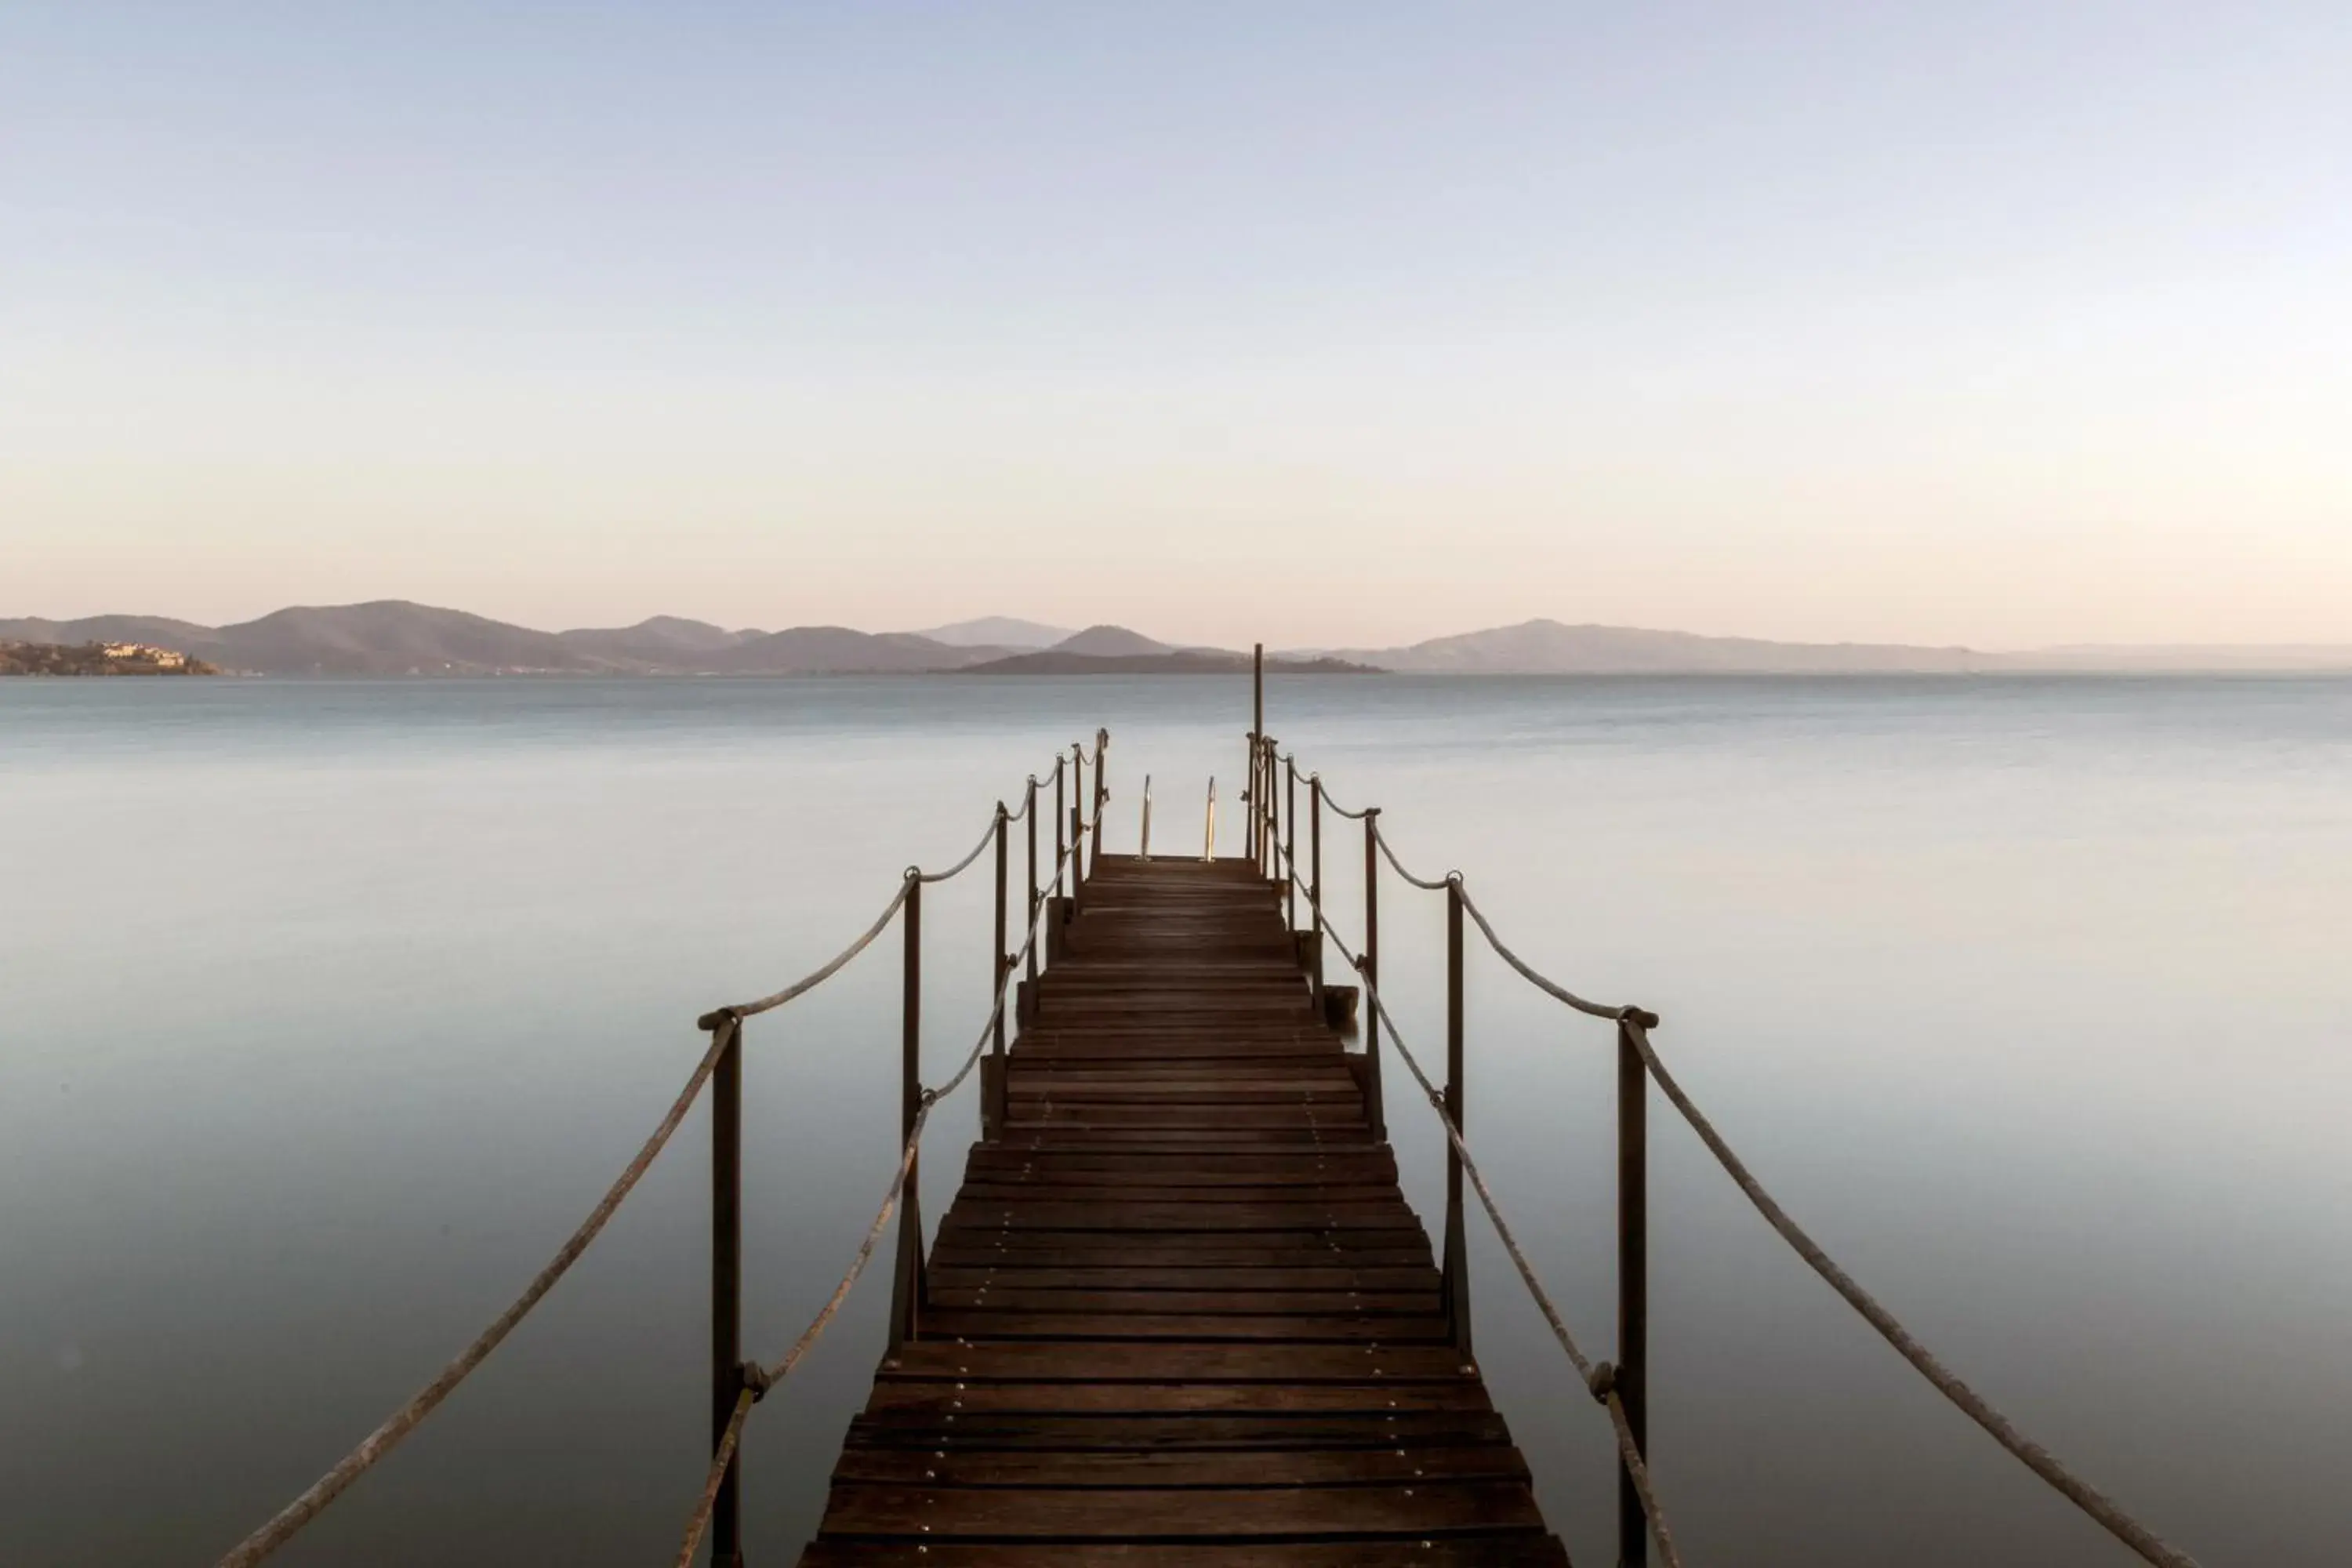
1336, 807
282, 1526
1597, 1377
725, 1025
1542, 983
960, 867
1426, 884
760, 1380
2035, 1457
1634, 1025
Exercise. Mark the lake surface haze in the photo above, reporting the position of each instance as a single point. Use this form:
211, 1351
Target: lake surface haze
327, 1008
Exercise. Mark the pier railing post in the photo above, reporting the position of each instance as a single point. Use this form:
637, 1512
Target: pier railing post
907, 1282
1256, 777
1262, 795
1457, 1261
726, 1284
1373, 971
1315, 880
1290, 845
1029, 910
1632, 1381
1077, 825
1003, 966
1061, 826
992, 1071
1268, 748
1102, 796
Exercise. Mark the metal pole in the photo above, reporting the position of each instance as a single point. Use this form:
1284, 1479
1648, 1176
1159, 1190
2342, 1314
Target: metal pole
1258, 689
1372, 969
1457, 1263
1002, 965
906, 1285
1077, 822
1270, 834
1029, 910
1251, 804
1315, 883
1257, 758
727, 1286
1061, 825
1102, 796
1315, 853
1633, 1285
1290, 845
1145, 852
1258, 807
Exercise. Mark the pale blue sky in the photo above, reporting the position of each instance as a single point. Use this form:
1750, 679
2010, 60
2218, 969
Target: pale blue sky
1325, 323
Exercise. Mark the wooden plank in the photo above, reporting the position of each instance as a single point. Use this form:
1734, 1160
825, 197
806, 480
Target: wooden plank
1192, 1432
1523, 1550
1333, 1328
1264, 1277
1429, 1507
1086, 1362
1376, 1398
1011, 1295
1303, 1467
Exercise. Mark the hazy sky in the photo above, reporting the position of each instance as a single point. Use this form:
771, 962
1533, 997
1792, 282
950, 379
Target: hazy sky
1319, 324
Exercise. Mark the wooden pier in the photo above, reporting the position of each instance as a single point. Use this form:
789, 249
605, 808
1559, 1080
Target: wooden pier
1179, 1311
1179, 1315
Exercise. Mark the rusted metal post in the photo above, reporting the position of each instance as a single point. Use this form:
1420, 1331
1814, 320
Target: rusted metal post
1256, 792
906, 1284
1270, 835
1078, 823
1102, 796
1315, 878
1315, 852
1251, 803
1457, 1261
1290, 845
727, 1286
1633, 1285
1003, 966
1061, 826
1254, 800
1373, 971
1029, 910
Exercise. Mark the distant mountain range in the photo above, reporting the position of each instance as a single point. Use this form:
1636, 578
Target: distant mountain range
392, 638
998, 631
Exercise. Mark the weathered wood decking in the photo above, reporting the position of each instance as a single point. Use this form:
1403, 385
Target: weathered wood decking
1179, 1312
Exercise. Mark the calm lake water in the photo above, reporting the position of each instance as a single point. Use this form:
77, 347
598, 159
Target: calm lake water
325, 1011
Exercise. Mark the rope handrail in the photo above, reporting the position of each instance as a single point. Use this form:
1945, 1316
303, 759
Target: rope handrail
725, 1025
1543, 983
960, 867
1324, 790
2035, 1457
1028, 800
1426, 884
1596, 1377
1636, 1024
291, 1518
759, 1380
818, 976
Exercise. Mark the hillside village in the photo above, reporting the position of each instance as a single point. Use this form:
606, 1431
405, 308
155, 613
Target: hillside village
98, 659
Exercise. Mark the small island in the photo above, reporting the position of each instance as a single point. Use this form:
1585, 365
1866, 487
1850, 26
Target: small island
97, 659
